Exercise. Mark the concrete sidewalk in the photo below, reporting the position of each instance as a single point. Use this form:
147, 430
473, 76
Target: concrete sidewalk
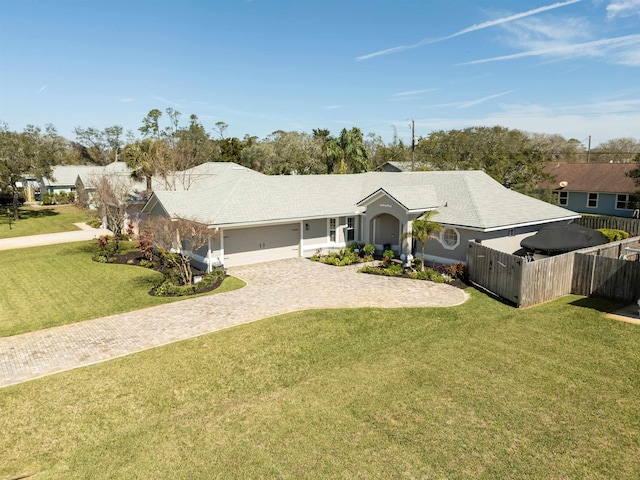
85, 232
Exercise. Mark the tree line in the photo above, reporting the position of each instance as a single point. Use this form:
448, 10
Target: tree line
167, 143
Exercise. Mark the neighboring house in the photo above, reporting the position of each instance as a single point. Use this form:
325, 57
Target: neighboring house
598, 188
256, 218
79, 179
395, 167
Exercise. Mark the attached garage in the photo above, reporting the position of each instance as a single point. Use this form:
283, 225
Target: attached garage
243, 246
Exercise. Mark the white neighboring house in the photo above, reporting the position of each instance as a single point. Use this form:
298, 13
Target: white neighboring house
257, 218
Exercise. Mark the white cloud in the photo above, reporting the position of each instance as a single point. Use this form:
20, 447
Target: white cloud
42, 89
602, 120
620, 50
537, 34
472, 28
623, 8
164, 100
510, 18
412, 93
470, 103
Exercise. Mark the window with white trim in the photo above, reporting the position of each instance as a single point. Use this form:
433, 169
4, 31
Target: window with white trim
592, 200
563, 199
332, 229
450, 238
625, 201
351, 230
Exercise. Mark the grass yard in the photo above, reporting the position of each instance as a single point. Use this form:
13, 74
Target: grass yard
59, 284
38, 220
481, 390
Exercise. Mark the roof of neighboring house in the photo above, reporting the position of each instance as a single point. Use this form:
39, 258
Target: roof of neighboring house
592, 177
66, 175
469, 199
395, 167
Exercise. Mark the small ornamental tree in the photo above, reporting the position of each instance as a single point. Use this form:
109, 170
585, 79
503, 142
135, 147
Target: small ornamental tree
112, 195
177, 241
422, 229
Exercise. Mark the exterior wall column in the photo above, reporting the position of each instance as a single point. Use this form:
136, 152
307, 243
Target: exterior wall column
407, 242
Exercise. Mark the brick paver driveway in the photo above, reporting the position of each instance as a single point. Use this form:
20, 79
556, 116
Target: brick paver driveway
272, 289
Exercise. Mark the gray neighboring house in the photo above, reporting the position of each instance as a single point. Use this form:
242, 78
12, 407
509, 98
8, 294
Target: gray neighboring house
257, 218
396, 167
78, 179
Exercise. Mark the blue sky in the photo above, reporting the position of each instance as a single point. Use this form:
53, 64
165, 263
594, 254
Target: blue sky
568, 67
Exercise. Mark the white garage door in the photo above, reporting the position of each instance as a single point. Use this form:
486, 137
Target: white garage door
261, 244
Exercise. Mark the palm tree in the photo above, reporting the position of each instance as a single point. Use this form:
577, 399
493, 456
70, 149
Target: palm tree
422, 229
146, 158
355, 157
331, 153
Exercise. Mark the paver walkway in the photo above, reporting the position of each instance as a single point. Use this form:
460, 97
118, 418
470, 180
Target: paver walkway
85, 233
272, 288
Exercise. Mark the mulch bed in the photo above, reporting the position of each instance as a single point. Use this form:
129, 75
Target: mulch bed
134, 258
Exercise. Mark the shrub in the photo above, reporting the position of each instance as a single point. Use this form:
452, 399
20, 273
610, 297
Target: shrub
210, 279
340, 258
614, 235
146, 263
145, 245
369, 250
170, 285
105, 249
48, 199
393, 270
416, 263
457, 270
353, 246
428, 274
387, 256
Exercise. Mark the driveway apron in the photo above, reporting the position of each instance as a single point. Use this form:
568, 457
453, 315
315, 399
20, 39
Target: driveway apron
272, 289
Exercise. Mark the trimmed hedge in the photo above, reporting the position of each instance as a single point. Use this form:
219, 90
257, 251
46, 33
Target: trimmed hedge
614, 235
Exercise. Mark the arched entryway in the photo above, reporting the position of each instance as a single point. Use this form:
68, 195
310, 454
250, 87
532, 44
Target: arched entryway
385, 232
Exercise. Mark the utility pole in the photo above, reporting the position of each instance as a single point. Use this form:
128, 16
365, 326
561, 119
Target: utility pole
589, 149
413, 146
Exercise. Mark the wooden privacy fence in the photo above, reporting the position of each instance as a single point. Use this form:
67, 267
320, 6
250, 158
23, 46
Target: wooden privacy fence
600, 271
631, 225
498, 272
596, 271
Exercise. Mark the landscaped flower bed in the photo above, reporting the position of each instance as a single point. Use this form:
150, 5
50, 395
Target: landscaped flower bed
122, 252
351, 254
452, 274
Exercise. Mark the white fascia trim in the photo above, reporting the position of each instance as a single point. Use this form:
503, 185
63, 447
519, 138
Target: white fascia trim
421, 210
377, 195
372, 197
280, 221
514, 225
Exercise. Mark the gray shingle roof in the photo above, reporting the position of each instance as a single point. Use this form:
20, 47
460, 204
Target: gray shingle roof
469, 199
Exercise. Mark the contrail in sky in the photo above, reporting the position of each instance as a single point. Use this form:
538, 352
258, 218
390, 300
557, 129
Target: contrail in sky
472, 28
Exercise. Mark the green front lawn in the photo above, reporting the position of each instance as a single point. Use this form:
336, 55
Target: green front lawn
38, 220
59, 284
481, 390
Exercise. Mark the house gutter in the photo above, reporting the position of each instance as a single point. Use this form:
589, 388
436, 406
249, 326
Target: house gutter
513, 225
281, 221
